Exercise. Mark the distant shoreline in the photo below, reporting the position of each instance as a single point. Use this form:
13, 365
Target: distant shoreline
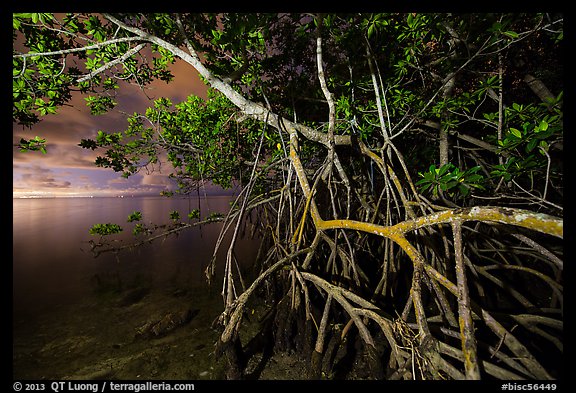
220, 194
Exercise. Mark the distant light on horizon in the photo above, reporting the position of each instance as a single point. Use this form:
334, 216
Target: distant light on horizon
207, 189
105, 193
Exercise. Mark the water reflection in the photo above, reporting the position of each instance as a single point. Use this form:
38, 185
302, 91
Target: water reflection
52, 264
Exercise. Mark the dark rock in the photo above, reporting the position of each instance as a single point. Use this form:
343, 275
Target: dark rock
132, 296
166, 324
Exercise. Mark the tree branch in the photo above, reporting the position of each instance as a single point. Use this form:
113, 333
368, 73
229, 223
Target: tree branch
112, 63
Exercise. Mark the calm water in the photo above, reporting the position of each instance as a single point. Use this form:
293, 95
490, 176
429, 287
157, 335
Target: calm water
53, 265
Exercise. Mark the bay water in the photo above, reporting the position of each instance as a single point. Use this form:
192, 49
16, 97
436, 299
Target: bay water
53, 268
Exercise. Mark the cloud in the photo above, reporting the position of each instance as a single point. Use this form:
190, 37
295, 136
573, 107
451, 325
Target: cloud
186, 82
36, 177
69, 168
156, 179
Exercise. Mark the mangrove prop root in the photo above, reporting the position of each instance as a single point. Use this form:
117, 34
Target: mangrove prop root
449, 281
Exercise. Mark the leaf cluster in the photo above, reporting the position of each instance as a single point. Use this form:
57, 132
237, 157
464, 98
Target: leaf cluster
450, 180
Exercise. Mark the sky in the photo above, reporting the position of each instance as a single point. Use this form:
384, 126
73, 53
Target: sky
67, 170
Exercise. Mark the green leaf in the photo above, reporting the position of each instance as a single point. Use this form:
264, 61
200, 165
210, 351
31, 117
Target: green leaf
531, 145
410, 20
421, 181
463, 190
174, 215
370, 30
105, 229
543, 126
135, 216
444, 169
516, 132
511, 34
194, 214
474, 178
138, 228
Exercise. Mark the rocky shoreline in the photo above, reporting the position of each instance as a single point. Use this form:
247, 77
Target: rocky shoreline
134, 334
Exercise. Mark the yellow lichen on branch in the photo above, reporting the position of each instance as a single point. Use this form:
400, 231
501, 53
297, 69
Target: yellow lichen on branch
539, 222
524, 218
